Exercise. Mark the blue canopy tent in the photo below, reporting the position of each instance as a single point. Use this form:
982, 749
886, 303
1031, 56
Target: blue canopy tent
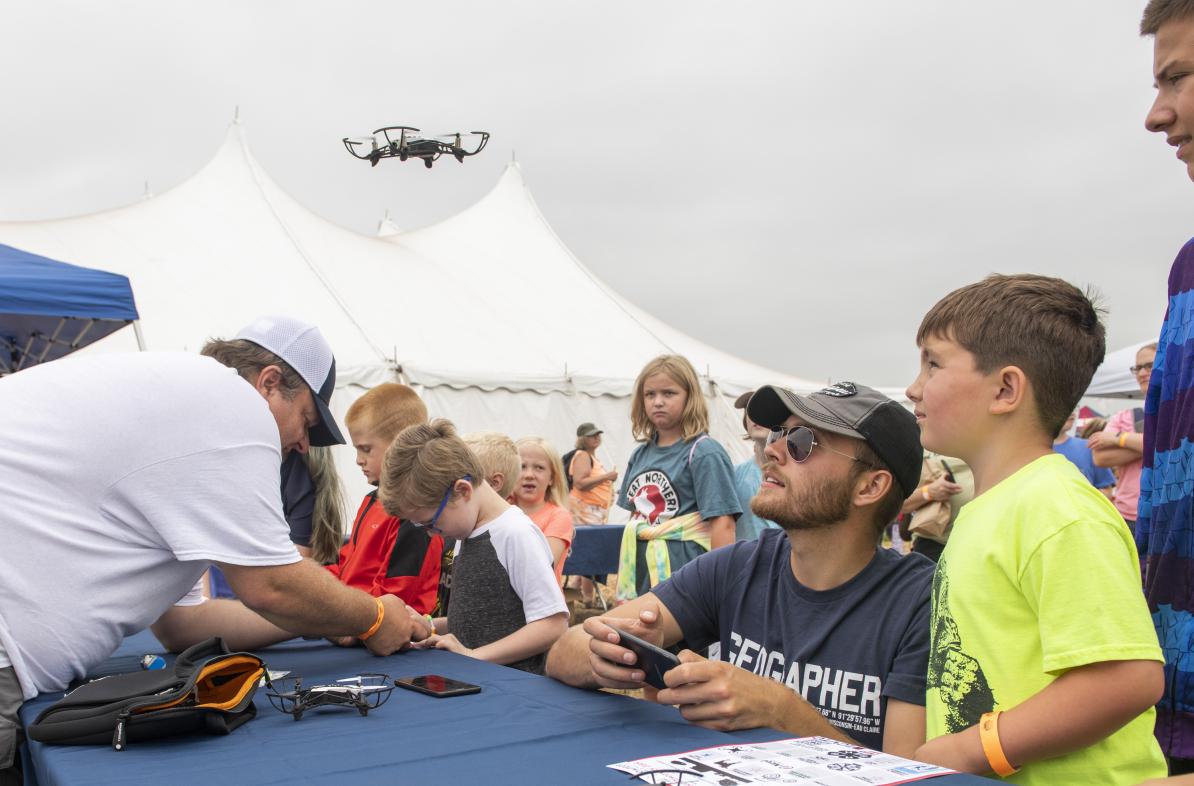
49, 309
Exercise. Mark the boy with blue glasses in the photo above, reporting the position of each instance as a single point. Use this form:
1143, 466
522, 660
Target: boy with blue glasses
505, 606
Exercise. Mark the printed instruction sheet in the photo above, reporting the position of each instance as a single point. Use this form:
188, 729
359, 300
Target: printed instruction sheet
808, 761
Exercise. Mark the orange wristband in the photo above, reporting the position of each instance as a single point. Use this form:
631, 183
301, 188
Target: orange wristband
988, 734
924, 492
381, 615
1123, 439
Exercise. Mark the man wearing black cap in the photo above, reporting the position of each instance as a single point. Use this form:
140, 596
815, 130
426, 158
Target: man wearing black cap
819, 630
126, 475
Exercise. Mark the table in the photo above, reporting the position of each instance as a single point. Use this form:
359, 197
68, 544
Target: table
595, 553
521, 729
595, 550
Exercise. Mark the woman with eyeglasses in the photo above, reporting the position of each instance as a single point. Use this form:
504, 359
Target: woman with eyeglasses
1121, 444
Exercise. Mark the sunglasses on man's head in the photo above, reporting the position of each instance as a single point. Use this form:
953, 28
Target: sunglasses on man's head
800, 441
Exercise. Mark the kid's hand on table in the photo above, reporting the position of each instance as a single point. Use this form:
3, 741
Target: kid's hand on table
447, 642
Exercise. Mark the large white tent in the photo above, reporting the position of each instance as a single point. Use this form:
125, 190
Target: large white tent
1112, 379
487, 313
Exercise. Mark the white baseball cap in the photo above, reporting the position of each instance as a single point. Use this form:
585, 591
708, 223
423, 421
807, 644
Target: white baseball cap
305, 350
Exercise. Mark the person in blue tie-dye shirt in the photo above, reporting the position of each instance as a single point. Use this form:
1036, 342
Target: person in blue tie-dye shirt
1165, 524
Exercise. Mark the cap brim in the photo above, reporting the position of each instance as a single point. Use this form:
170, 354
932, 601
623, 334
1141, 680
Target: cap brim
325, 433
767, 408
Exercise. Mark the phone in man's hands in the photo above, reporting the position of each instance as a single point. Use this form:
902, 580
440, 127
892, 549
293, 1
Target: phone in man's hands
653, 661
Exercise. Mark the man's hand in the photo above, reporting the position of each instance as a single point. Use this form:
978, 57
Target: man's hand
395, 631
614, 665
420, 627
722, 696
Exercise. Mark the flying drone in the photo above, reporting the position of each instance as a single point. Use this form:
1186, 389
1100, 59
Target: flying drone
405, 142
364, 691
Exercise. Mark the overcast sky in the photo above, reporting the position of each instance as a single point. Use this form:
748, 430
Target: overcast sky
794, 182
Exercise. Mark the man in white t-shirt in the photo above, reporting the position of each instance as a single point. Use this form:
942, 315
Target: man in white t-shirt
124, 477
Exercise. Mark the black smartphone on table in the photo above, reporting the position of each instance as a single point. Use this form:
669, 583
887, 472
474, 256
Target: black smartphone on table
437, 685
654, 661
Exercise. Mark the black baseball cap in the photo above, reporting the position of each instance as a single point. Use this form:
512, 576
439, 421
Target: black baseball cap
852, 411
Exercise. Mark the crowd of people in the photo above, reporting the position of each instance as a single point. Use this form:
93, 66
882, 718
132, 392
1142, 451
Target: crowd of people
1012, 638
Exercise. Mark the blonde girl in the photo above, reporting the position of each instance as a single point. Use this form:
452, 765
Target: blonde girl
542, 493
679, 484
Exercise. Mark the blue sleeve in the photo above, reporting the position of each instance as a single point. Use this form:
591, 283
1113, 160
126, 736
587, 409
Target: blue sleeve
1103, 478
713, 479
694, 593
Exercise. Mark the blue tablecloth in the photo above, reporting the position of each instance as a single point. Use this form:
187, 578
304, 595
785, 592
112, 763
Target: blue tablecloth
595, 550
521, 729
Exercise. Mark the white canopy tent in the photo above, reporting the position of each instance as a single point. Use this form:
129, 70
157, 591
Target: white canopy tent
487, 313
1112, 379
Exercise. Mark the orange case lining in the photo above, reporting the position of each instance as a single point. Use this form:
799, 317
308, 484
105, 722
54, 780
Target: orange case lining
220, 686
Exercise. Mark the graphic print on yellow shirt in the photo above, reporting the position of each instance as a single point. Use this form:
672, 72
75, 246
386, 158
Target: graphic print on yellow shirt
958, 677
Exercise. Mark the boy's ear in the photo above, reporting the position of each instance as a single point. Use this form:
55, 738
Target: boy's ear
464, 489
496, 481
1013, 390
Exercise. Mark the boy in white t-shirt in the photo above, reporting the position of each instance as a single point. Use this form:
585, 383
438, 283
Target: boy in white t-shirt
505, 605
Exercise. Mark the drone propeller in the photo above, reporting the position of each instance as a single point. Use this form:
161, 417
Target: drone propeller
358, 682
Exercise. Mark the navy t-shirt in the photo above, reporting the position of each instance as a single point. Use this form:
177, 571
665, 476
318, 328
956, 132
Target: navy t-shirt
298, 497
845, 650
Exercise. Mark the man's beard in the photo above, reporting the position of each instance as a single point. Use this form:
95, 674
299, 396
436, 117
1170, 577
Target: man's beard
820, 505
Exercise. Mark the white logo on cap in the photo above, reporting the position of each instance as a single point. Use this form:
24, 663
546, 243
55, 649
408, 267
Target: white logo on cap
840, 390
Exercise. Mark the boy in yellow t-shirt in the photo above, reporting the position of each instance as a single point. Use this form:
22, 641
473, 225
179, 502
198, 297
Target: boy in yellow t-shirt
1043, 656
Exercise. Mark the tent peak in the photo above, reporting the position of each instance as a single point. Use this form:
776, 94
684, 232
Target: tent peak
386, 227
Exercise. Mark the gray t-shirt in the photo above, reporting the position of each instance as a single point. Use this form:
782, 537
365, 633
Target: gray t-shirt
845, 650
685, 477
503, 580
663, 482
